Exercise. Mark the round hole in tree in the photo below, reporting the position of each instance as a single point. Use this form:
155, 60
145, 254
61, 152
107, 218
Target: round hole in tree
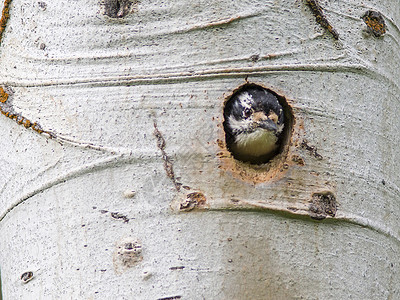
257, 124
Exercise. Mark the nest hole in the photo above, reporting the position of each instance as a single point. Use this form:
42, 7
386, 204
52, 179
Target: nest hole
283, 139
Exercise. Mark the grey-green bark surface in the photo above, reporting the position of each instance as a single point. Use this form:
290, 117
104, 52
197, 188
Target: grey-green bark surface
135, 104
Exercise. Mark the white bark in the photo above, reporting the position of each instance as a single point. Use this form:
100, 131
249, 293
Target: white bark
112, 91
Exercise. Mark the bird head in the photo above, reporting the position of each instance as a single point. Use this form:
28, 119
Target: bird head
254, 121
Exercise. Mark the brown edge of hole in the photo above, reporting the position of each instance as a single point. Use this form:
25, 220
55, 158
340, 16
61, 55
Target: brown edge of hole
273, 168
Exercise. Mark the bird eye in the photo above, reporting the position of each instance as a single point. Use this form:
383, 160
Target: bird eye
247, 112
273, 116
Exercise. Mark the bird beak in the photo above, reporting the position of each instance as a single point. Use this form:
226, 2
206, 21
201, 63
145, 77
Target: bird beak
268, 125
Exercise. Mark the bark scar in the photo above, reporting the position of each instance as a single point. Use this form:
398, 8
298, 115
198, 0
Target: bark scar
311, 149
168, 166
117, 215
7, 109
5, 15
316, 9
375, 22
119, 8
323, 204
192, 201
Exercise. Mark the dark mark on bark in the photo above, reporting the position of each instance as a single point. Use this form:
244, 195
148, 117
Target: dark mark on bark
177, 268
323, 204
298, 160
311, 149
255, 58
42, 5
294, 209
117, 215
193, 200
375, 23
27, 276
320, 17
170, 298
128, 253
168, 167
118, 8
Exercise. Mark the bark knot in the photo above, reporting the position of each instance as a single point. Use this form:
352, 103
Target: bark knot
323, 204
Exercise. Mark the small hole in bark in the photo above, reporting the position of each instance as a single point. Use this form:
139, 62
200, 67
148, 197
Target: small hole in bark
257, 124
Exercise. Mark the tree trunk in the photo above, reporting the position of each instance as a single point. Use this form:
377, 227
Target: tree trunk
116, 181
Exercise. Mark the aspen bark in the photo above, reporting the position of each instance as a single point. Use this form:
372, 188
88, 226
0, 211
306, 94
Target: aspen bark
116, 182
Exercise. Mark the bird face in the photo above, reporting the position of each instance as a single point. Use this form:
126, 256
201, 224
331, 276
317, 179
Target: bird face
254, 121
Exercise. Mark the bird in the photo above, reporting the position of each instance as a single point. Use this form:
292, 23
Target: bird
253, 124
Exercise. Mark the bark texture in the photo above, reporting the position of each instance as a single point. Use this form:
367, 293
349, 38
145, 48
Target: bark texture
121, 186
